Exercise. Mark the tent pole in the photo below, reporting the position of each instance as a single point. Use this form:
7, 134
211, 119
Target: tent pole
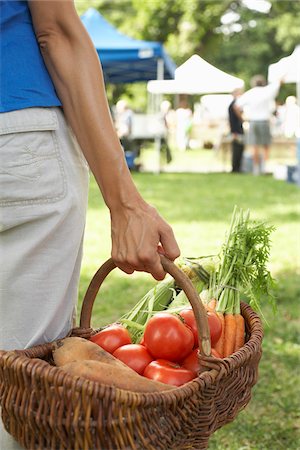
158, 152
149, 102
160, 69
159, 76
298, 132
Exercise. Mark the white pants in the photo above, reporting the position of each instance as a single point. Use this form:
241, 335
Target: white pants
43, 200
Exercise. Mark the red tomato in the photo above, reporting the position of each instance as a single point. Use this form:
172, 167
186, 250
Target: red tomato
168, 372
166, 337
214, 324
135, 356
112, 337
191, 362
189, 319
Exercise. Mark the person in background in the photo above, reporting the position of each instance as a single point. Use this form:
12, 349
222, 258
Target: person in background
184, 117
257, 104
291, 121
166, 112
55, 117
237, 132
123, 123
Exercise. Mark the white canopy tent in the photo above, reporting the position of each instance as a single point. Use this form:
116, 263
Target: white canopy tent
288, 69
196, 76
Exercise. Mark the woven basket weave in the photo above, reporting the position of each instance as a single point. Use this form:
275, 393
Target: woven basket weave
45, 408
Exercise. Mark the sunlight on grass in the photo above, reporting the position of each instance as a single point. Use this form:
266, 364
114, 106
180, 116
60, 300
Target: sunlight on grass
196, 160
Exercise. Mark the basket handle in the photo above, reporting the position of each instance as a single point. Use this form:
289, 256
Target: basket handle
181, 279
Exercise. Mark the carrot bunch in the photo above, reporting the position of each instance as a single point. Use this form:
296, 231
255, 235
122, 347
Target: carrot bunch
233, 333
243, 268
233, 329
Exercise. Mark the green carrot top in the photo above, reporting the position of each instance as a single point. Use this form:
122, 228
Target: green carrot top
244, 258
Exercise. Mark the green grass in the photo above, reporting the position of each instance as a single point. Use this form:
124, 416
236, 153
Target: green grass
199, 207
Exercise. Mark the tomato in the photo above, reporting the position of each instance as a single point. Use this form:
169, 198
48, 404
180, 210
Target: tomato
189, 319
191, 362
112, 337
166, 337
214, 324
135, 356
168, 372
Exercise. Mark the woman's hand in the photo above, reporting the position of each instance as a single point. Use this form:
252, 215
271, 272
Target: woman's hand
139, 234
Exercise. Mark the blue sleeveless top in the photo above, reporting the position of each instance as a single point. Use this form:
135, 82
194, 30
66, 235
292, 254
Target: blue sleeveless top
24, 79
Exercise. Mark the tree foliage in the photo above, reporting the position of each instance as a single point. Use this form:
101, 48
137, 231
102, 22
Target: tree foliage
227, 33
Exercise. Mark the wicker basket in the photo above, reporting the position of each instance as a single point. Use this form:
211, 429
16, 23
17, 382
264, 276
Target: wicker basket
45, 408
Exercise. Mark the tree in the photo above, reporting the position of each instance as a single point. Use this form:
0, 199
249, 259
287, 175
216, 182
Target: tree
254, 40
227, 33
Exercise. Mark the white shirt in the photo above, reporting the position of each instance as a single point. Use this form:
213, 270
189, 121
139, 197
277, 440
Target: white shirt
258, 102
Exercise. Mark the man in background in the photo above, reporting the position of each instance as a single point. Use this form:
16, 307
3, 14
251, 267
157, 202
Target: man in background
237, 132
257, 104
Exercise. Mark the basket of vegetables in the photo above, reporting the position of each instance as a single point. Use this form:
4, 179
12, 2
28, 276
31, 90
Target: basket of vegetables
174, 369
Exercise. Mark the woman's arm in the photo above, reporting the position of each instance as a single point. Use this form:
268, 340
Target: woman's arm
73, 64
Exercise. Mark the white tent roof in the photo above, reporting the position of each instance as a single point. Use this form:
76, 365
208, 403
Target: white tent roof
287, 68
196, 76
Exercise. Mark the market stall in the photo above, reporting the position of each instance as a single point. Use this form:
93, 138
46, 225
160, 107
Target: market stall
195, 76
124, 59
287, 69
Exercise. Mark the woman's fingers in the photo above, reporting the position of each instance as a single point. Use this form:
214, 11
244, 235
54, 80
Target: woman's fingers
142, 261
168, 243
138, 236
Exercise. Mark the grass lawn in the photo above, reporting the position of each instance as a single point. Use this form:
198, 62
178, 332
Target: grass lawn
199, 207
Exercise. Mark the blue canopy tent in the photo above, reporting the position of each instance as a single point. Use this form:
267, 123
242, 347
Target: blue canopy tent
124, 59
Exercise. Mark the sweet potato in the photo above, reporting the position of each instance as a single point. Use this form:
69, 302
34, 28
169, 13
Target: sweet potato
112, 375
72, 349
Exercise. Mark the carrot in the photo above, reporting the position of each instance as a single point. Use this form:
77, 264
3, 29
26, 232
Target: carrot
240, 332
212, 304
229, 335
219, 346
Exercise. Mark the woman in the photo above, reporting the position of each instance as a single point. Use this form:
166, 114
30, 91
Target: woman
53, 97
